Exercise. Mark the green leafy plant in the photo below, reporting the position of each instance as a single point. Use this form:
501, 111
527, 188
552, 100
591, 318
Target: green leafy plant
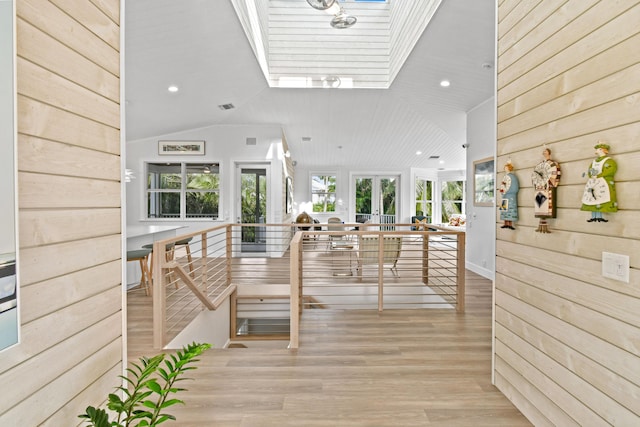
147, 390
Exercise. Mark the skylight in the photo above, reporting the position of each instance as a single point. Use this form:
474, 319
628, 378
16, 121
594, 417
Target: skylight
297, 48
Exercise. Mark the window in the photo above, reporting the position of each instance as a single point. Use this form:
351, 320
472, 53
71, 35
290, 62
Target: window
452, 199
424, 197
323, 193
183, 190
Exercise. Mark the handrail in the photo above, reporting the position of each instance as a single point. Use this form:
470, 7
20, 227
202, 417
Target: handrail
296, 284
164, 268
220, 266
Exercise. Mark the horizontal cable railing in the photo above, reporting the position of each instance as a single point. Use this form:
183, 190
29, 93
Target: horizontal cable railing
264, 266
219, 261
381, 269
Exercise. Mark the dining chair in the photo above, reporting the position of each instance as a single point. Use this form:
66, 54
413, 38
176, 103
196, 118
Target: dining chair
169, 254
186, 243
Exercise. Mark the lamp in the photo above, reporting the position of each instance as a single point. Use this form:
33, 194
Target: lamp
341, 19
321, 4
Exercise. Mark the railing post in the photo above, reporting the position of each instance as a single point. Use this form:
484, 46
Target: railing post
203, 261
295, 275
380, 271
233, 315
229, 252
425, 256
159, 296
461, 273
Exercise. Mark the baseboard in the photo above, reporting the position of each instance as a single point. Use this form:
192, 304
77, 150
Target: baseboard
484, 272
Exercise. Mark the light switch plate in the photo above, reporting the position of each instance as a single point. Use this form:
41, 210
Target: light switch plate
615, 266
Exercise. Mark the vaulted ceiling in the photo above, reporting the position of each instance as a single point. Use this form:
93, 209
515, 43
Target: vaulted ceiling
217, 56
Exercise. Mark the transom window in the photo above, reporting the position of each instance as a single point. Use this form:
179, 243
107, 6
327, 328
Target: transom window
323, 192
183, 190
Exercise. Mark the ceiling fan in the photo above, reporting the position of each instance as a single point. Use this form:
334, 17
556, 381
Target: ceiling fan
341, 19
321, 4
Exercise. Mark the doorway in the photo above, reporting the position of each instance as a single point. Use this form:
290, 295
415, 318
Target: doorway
376, 198
252, 205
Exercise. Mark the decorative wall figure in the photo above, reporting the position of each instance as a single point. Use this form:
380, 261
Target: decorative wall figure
600, 191
545, 178
509, 190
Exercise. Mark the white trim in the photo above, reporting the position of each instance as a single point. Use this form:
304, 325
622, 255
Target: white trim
123, 190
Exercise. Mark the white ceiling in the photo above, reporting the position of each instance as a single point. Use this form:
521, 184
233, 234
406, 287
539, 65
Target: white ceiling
200, 46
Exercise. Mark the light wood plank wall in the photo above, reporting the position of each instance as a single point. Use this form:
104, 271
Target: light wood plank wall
68, 82
567, 339
287, 170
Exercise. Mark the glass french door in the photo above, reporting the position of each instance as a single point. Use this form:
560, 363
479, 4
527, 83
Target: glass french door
252, 208
376, 198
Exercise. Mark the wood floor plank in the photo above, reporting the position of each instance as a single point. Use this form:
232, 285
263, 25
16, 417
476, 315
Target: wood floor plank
354, 368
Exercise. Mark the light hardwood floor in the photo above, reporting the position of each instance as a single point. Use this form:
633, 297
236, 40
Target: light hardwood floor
428, 367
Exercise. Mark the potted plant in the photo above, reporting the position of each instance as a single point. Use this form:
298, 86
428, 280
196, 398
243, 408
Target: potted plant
147, 390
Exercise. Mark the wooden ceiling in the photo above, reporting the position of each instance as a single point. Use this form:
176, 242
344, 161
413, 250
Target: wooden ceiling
399, 108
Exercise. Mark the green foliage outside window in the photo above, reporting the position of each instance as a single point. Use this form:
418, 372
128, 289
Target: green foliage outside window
364, 190
388, 194
424, 195
202, 198
165, 187
452, 199
254, 202
323, 193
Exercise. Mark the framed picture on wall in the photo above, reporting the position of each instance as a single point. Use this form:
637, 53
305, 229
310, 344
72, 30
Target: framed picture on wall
181, 148
484, 182
288, 195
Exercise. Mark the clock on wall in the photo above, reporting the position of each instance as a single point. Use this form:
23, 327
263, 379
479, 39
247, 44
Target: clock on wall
545, 178
596, 191
541, 174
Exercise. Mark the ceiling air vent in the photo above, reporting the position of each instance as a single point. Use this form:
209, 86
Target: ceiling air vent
226, 106
306, 139
251, 141
434, 157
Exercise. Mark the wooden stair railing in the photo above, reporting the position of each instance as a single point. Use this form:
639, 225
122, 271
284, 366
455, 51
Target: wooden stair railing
178, 269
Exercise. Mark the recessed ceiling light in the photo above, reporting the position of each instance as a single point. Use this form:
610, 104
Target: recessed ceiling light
445, 83
442, 162
173, 88
418, 153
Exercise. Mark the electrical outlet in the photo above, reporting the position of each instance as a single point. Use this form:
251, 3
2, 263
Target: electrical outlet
615, 266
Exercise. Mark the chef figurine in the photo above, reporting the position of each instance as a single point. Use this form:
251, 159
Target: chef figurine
509, 191
600, 190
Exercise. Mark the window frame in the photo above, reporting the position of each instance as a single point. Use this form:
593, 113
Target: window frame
327, 193
461, 202
183, 191
430, 214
